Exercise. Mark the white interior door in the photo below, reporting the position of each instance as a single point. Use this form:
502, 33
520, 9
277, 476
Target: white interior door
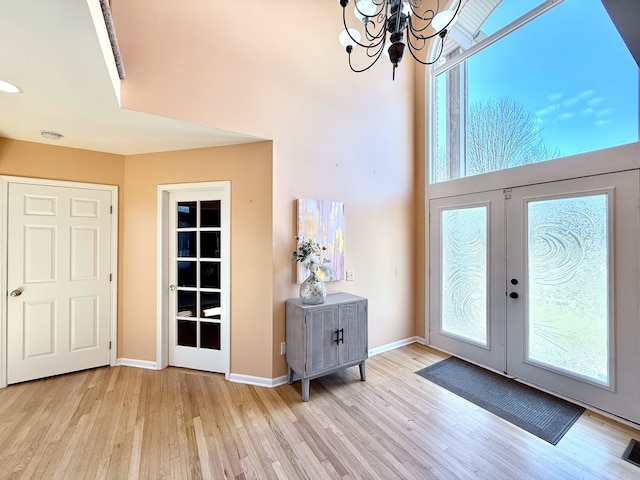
58, 278
199, 247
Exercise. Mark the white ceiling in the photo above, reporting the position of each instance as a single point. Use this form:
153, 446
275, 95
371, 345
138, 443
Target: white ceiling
53, 50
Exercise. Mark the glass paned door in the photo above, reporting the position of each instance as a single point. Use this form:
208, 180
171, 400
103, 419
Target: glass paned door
466, 267
200, 257
573, 321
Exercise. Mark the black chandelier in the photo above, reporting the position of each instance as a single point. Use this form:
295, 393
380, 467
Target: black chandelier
385, 22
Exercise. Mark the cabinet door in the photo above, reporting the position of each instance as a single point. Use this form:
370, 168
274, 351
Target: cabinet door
354, 324
322, 350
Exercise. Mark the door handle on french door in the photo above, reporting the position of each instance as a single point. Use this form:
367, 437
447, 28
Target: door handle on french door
513, 295
16, 293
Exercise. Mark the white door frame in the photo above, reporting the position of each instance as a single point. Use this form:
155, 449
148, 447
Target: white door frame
162, 306
5, 181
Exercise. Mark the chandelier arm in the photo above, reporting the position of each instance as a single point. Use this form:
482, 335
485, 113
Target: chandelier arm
371, 36
370, 24
380, 36
416, 6
378, 3
380, 46
425, 16
419, 46
415, 32
373, 62
410, 48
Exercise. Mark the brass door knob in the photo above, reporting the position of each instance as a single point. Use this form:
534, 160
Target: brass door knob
16, 293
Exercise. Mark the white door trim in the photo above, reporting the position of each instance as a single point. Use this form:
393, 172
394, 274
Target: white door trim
5, 181
162, 306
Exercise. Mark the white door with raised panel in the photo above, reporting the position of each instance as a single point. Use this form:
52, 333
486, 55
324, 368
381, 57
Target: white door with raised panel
58, 279
199, 249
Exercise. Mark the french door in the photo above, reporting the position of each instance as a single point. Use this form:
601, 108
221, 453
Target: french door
199, 229
541, 283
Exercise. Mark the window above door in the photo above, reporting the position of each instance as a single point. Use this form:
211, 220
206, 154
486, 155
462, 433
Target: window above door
529, 81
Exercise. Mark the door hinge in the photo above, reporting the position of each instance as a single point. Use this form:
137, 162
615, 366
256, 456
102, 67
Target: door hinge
109, 345
111, 209
507, 193
111, 277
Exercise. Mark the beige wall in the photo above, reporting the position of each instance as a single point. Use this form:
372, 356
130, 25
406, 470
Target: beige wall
248, 168
275, 69
420, 128
36, 160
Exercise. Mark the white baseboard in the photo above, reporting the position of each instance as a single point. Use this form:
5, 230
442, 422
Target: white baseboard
132, 362
394, 345
268, 382
258, 381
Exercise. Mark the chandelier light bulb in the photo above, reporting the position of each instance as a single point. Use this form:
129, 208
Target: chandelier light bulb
349, 38
364, 9
443, 20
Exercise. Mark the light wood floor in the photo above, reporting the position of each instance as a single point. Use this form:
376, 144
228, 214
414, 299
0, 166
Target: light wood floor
123, 422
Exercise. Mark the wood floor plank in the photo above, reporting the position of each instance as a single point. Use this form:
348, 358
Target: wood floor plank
126, 423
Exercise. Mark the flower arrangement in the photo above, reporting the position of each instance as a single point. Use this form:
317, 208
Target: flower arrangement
311, 253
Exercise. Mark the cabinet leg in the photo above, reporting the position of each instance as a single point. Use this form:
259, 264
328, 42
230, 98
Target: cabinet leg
363, 372
291, 373
305, 389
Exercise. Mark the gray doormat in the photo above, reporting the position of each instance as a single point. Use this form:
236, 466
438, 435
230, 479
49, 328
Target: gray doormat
536, 412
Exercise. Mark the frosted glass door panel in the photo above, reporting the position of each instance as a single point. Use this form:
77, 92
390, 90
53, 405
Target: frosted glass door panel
568, 280
464, 273
467, 277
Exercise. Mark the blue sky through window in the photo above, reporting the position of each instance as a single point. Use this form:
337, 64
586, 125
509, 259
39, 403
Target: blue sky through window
569, 67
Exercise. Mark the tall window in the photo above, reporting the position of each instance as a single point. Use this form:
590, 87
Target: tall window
536, 80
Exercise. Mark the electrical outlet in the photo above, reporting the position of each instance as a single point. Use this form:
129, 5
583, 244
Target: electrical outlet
283, 348
349, 275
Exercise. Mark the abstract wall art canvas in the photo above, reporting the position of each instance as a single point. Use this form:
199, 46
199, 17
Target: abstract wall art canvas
323, 222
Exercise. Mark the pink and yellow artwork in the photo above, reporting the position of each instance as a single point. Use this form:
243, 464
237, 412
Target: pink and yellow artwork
323, 222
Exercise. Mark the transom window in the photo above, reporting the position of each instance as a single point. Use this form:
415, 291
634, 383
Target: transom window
526, 81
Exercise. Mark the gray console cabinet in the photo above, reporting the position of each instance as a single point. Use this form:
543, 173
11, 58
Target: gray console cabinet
327, 337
